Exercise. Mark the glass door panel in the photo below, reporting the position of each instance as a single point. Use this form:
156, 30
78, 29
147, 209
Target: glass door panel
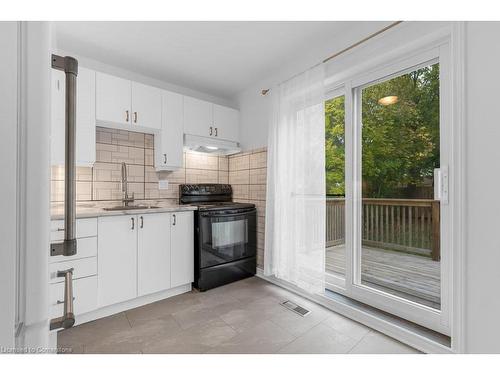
400, 217
335, 259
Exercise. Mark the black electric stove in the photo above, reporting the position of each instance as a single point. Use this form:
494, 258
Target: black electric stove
225, 235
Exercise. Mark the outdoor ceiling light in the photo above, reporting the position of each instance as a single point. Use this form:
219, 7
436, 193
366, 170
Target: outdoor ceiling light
388, 100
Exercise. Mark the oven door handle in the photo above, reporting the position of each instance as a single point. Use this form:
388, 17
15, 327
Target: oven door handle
242, 213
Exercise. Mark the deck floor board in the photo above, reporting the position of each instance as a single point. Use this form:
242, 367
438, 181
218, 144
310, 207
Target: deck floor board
413, 277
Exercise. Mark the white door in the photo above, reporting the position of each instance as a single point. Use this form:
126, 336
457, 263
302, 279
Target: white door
226, 123
153, 253
117, 259
146, 106
85, 117
198, 117
170, 153
182, 248
113, 99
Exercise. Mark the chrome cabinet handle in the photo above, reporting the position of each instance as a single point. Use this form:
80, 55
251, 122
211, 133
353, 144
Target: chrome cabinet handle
142, 222
135, 117
133, 223
175, 219
164, 158
211, 130
216, 132
127, 116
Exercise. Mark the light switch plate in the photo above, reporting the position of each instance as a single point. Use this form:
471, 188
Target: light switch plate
163, 184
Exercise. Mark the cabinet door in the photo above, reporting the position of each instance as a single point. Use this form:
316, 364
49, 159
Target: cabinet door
169, 152
85, 117
198, 116
182, 248
153, 253
146, 106
117, 259
113, 99
226, 123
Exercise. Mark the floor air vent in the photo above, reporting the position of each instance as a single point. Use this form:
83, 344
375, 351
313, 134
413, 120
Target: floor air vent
295, 308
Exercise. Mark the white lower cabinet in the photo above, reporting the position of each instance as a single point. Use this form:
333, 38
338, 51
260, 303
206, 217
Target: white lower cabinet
153, 253
84, 293
117, 259
182, 251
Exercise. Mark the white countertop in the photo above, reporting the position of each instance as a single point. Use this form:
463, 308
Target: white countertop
96, 209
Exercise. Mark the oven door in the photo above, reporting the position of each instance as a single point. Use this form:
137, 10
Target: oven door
226, 236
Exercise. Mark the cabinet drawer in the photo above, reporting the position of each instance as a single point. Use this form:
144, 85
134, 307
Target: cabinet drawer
82, 268
85, 247
84, 292
84, 228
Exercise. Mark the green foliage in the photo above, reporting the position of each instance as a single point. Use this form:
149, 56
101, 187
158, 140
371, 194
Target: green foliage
400, 142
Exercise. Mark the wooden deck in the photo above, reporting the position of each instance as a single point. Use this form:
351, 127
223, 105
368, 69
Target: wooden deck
413, 277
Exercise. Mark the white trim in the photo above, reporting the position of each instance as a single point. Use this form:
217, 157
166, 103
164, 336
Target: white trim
377, 323
458, 238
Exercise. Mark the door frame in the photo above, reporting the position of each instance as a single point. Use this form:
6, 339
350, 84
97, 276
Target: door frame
449, 44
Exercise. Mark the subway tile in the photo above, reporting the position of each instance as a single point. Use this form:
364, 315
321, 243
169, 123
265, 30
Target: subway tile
239, 177
149, 157
82, 173
223, 177
200, 176
240, 191
257, 192
149, 140
223, 163
109, 172
178, 176
195, 160
150, 174
237, 162
258, 176
258, 160
135, 173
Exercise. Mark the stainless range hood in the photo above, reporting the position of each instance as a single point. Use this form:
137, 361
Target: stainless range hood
210, 145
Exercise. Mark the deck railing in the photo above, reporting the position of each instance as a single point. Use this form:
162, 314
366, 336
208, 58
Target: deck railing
407, 225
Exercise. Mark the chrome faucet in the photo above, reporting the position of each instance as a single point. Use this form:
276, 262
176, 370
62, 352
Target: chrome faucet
126, 199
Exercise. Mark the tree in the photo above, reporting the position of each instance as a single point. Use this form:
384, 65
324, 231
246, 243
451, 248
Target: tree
400, 142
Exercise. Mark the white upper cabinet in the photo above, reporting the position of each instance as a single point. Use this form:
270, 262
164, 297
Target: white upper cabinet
113, 99
226, 123
85, 117
168, 144
206, 119
153, 253
198, 116
146, 106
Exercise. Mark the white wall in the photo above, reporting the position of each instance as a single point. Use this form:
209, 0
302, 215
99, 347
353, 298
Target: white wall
8, 162
254, 107
483, 182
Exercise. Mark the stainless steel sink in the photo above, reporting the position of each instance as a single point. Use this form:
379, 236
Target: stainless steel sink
126, 208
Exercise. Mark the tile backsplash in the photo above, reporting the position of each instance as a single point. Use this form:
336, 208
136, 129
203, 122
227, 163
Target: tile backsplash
102, 181
246, 172
247, 176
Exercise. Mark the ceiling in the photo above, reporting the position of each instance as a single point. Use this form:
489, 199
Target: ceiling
217, 58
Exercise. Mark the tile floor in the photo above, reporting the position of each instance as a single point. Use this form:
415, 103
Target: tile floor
243, 317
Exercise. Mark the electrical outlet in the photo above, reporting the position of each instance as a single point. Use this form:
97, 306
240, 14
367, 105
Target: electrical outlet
163, 184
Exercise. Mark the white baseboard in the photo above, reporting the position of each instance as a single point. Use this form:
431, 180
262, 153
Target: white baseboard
373, 321
131, 304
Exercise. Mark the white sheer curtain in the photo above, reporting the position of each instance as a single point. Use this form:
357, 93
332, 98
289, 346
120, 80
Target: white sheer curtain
295, 209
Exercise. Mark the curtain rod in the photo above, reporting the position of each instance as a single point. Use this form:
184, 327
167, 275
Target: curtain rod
373, 35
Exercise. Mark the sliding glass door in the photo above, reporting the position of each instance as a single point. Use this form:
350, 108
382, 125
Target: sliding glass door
387, 158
